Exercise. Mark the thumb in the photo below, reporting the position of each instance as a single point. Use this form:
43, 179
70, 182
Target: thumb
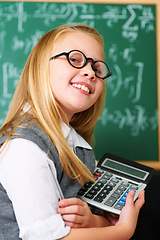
130, 197
141, 200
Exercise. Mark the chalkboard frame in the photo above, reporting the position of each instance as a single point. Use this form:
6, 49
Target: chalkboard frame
154, 164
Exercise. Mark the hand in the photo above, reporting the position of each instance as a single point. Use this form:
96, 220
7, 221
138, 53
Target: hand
130, 212
76, 213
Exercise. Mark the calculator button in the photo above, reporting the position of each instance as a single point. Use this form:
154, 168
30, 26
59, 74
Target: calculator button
93, 192
99, 170
98, 199
120, 202
101, 195
102, 180
95, 178
122, 188
129, 189
119, 207
88, 184
123, 198
125, 184
115, 195
97, 174
134, 187
110, 201
89, 195
99, 184
108, 187
108, 174
116, 180
106, 177
125, 194
82, 190
113, 184
118, 191
96, 187
105, 191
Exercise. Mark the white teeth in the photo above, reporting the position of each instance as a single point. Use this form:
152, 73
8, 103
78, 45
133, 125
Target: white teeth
84, 88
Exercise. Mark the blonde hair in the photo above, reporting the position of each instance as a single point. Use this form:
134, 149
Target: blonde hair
34, 83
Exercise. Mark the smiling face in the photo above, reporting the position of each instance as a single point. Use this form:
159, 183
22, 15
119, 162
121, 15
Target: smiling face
75, 89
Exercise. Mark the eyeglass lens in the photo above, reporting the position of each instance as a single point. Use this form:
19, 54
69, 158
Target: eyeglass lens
78, 60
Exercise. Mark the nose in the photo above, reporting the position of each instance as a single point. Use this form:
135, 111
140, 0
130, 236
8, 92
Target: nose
88, 72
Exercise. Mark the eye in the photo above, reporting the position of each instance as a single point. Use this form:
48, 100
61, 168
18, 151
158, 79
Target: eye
99, 68
76, 59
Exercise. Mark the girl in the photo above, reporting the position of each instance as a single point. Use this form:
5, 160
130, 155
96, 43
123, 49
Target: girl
46, 141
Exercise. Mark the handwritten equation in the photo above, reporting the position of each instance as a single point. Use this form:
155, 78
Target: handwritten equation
136, 119
127, 31
81, 12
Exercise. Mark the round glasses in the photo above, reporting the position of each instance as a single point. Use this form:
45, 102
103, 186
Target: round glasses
77, 59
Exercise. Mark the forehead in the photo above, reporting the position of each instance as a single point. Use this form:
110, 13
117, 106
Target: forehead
79, 41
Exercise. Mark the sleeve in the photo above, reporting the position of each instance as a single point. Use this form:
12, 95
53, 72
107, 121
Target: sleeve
27, 178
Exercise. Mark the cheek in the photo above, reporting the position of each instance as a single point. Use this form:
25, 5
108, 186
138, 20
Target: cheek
99, 88
53, 76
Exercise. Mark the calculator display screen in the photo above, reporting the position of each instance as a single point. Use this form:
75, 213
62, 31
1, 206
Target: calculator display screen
123, 168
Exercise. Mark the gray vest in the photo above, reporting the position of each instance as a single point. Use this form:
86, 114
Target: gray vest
8, 225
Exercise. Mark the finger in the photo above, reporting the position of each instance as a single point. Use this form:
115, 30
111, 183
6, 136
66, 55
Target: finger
140, 201
76, 209
70, 201
73, 209
130, 197
73, 225
72, 218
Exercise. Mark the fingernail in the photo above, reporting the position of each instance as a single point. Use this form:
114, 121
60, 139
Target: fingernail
61, 203
132, 192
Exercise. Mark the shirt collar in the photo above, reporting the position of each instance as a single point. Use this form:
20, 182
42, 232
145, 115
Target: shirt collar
73, 137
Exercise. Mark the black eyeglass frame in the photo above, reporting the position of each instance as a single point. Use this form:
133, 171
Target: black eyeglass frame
86, 60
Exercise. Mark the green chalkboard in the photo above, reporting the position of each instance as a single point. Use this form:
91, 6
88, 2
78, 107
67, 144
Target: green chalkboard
128, 125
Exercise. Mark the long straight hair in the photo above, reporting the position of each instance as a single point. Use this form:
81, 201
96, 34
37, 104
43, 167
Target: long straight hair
34, 89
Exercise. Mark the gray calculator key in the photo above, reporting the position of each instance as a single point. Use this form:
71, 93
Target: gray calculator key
106, 177
116, 195
113, 184
118, 191
116, 180
108, 174
102, 180
134, 187
123, 188
110, 201
125, 184
119, 207
99, 170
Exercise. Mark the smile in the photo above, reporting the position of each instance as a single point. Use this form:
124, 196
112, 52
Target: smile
84, 88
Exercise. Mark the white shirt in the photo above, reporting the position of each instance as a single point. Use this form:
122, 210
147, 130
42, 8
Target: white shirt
25, 173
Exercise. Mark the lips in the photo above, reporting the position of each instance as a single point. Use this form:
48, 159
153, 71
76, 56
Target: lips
85, 87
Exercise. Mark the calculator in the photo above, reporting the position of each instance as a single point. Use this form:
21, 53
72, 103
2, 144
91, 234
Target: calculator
114, 178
